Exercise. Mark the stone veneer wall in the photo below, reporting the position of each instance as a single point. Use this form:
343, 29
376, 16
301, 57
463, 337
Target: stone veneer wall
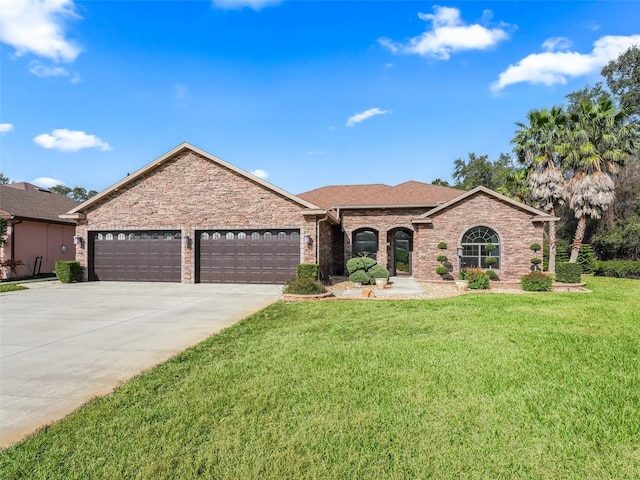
189, 192
513, 226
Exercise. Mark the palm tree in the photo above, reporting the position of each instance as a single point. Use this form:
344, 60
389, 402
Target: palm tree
537, 145
599, 145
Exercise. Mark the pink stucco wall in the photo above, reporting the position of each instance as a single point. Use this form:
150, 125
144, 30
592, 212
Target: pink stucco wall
34, 239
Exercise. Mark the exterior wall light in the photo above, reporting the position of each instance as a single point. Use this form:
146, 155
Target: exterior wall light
460, 251
308, 240
77, 240
187, 241
63, 248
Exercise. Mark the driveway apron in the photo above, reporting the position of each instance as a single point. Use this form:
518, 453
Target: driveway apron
61, 345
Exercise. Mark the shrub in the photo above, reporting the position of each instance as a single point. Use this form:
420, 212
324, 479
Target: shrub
489, 261
536, 281
442, 246
442, 258
304, 286
360, 263
442, 270
536, 261
378, 271
535, 247
489, 247
618, 268
492, 275
307, 270
568, 272
478, 280
68, 271
360, 276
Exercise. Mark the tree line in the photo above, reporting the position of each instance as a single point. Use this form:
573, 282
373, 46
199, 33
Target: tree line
578, 161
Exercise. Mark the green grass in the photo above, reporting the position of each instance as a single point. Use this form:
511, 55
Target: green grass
10, 287
476, 386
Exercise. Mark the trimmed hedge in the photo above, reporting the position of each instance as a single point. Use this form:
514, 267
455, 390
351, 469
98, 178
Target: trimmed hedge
537, 281
307, 270
568, 272
618, 268
360, 263
303, 286
360, 276
68, 271
378, 271
442, 270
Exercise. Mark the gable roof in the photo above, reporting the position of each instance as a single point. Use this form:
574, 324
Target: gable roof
407, 194
332, 195
538, 215
26, 201
77, 211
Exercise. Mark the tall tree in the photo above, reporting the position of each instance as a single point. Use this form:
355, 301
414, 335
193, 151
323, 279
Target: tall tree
4, 179
479, 170
623, 79
599, 144
537, 144
79, 194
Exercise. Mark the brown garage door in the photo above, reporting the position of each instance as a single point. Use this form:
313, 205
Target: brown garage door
145, 256
247, 256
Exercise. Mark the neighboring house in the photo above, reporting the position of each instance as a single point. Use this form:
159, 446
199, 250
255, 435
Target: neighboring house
36, 236
190, 217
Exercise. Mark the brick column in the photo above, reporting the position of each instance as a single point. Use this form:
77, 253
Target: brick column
382, 248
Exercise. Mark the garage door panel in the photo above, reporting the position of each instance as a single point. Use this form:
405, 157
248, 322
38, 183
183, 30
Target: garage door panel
137, 256
256, 256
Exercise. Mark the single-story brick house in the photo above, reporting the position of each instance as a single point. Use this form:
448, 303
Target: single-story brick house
36, 236
191, 217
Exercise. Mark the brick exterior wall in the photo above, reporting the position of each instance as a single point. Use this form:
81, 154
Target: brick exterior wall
189, 192
513, 226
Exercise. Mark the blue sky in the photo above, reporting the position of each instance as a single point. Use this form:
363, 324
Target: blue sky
303, 93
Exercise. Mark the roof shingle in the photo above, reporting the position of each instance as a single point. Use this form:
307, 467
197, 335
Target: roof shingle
24, 200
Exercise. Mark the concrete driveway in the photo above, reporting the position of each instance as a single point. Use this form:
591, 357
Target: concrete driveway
61, 345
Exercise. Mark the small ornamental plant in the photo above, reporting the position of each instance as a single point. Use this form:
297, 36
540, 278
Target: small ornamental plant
490, 261
303, 286
478, 280
535, 247
492, 275
442, 258
442, 246
442, 270
536, 281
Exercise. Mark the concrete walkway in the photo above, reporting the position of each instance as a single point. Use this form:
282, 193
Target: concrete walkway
61, 345
398, 287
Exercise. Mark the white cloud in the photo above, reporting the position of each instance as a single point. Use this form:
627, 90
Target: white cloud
261, 173
554, 67
6, 128
38, 27
556, 43
239, 4
448, 34
47, 182
70, 140
43, 71
362, 116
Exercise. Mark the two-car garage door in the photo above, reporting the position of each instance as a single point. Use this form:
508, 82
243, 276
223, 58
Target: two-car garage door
221, 256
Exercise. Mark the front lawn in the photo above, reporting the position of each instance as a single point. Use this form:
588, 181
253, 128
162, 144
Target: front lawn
476, 386
10, 287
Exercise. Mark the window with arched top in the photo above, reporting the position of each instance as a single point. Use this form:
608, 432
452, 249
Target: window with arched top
216, 235
267, 235
474, 245
255, 236
242, 236
204, 235
229, 236
122, 236
132, 236
282, 236
365, 242
109, 236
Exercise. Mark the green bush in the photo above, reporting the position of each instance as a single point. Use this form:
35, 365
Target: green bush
442, 258
568, 272
378, 271
68, 271
536, 281
360, 276
489, 261
442, 246
307, 270
304, 286
442, 270
536, 261
618, 268
492, 275
477, 278
535, 247
360, 263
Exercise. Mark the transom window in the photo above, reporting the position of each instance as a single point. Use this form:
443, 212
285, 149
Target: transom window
474, 243
365, 242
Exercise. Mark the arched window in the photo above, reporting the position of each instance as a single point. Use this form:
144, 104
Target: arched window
474, 243
365, 241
